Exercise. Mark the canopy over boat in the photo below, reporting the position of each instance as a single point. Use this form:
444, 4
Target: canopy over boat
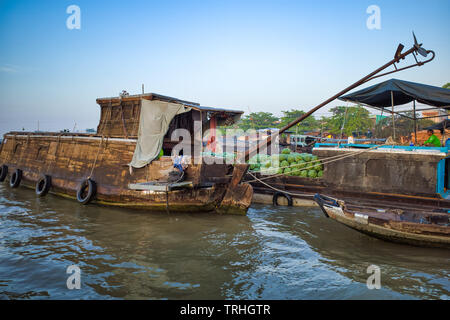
379, 95
441, 125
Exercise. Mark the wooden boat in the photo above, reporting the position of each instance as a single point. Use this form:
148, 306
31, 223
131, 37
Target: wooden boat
388, 173
95, 167
407, 174
417, 226
394, 174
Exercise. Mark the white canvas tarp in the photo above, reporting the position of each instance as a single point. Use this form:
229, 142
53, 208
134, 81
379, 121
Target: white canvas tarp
153, 125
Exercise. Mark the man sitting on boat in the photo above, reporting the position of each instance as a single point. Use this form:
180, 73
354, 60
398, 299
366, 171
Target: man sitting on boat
432, 141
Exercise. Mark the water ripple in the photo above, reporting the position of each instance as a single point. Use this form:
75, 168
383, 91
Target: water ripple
272, 253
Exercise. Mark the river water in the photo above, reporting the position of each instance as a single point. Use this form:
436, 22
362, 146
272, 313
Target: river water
272, 253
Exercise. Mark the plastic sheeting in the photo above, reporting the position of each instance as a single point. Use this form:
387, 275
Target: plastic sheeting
154, 122
379, 95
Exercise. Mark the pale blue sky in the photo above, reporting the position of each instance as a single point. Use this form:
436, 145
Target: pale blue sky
248, 55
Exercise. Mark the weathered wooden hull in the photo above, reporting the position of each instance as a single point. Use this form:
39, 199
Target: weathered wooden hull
394, 225
70, 160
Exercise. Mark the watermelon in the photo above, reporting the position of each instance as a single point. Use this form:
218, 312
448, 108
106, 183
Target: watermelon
284, 164
318, 167
304, 173
320, 174
267, 164
286, 151
287, 171
290, 158
312, 173
307, 157
295, 170
301, 164
298, 157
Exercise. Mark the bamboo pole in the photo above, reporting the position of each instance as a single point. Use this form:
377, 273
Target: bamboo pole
393, 117
415, 122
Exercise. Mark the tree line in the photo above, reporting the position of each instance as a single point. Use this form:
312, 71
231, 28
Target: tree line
345, 120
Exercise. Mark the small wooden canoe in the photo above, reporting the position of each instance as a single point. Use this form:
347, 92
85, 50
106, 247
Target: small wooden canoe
428, 227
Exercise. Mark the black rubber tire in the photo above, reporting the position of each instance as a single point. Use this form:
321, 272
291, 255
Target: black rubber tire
3, 172
278, 194
15, 178
92, 190
43, 185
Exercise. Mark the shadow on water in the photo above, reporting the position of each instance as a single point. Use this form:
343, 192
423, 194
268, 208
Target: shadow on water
272, 253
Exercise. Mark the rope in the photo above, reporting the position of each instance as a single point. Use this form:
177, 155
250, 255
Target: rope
123, 122
167, 199
56, 153
336, 158
134, 117
96, 157
343, 123
280, 190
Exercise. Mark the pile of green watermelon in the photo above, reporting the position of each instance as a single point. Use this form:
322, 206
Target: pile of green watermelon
288, 163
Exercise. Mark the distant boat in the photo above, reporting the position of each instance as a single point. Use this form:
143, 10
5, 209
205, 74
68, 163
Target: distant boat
416, 226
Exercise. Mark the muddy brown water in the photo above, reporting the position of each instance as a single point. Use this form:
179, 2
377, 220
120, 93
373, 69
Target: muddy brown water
272, 253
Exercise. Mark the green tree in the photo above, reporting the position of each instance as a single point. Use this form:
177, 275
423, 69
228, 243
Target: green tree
446, 86
308, 124
357, 119
258, 120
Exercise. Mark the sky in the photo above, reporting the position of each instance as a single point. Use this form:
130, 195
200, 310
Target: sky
246, 55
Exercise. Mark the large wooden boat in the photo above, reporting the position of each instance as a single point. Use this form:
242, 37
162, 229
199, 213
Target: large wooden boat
95, 167
416, 226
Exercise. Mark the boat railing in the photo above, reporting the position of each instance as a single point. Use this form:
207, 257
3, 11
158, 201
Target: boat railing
367, 146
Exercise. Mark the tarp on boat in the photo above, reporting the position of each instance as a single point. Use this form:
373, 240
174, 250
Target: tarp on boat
154, 122
379, 95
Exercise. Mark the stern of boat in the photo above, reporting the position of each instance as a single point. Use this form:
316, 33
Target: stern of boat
238, 196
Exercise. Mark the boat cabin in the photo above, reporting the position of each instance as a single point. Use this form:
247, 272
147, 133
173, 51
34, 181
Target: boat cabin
120, 118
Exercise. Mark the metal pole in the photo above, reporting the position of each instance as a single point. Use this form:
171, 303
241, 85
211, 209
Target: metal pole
415, 122
393, 118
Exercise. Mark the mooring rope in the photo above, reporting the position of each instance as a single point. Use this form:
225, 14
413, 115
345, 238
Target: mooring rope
280, 190
96, 157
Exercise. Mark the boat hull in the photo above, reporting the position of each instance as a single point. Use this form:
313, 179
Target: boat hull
382, 227
70, 160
